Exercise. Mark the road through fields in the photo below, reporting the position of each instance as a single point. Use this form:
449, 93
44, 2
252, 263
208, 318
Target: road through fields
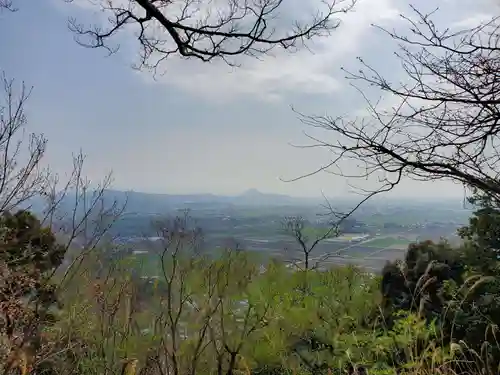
369, 261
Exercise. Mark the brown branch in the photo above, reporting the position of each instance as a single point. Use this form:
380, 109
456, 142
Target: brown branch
446, 122
205, 31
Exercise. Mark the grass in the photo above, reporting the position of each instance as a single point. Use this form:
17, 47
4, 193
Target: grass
345, 237
312, 232
387, 242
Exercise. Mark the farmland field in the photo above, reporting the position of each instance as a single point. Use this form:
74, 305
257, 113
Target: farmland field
388, 242
346, 237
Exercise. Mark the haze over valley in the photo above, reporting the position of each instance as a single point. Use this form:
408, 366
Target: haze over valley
378, 231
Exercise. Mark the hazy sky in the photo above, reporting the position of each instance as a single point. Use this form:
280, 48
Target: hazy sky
199, 127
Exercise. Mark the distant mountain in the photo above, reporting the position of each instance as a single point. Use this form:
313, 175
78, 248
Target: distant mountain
158, 203
255, 197
150, 203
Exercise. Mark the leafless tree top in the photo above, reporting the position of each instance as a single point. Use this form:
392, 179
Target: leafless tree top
21, 175
208, 29
445, 123
7, 4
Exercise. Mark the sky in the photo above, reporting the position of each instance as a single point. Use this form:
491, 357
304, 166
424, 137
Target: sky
201, 127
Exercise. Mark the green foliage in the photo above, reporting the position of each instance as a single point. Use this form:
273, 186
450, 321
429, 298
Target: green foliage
417, 283
228, 315
457, 289
482, 236
312, 232
29, 254
387, 242
26, 244
437, 311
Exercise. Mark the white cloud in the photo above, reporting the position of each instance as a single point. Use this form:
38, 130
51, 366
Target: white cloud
271, 77
472, 21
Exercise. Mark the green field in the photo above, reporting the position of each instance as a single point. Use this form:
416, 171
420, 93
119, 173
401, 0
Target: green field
313, 233
388, 242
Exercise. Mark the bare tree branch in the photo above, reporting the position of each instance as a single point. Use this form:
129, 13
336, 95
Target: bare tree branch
7, 5
21, 175
296, 226
207, 29
80, 214
445, 124
26, 185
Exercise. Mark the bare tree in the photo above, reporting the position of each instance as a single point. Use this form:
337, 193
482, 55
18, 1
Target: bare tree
81, 214
21, 175
445, 124
297, 227
8, 5
73, 207
179, 242
107, 305
75, 210
206, 314
239, 316
208, 30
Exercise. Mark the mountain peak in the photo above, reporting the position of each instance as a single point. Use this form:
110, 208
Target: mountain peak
251, 193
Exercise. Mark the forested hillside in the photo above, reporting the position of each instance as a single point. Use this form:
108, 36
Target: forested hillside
436, 311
